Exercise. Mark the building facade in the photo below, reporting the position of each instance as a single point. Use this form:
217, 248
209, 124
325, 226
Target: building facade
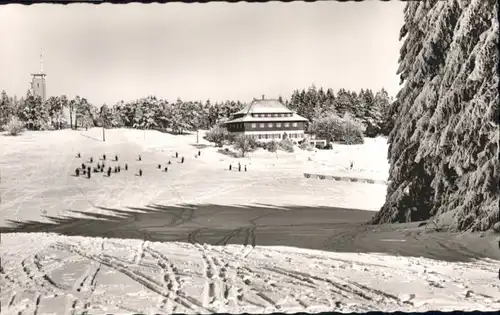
38, 87
267, 120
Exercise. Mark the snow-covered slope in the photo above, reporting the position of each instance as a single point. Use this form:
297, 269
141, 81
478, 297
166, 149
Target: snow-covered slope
47, 273
44, 273
37, 175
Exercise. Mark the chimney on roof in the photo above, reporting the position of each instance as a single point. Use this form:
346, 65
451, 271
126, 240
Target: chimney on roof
262, 96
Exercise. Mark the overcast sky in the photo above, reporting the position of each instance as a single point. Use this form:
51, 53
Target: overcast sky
220, 51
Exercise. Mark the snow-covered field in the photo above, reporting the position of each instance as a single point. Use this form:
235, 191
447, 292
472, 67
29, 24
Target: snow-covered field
369, 160
37, 168
49, 273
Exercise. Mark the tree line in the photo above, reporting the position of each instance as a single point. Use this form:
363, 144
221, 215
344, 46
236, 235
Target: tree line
368, 108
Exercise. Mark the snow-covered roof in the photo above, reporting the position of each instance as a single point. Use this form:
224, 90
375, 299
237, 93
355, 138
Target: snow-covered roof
250, 118
264, 106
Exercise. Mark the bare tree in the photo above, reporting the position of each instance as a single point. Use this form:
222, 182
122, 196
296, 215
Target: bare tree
243, 143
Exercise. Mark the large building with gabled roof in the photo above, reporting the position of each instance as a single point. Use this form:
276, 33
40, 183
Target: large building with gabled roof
267, 120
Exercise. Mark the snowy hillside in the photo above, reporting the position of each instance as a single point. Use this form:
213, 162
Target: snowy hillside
279, 242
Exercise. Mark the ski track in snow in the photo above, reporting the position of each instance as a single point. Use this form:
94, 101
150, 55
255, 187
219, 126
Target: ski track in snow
270, 280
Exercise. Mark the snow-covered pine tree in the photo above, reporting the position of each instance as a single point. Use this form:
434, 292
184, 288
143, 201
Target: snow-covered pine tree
444, 145
6, 109
294, 100
342, 102
106, 116
383, 104
371, 113
33, 112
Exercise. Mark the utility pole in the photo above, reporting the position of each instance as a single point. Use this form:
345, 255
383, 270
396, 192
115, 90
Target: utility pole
197, 132
103, 134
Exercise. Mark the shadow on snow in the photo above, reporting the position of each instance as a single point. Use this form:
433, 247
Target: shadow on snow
320, 228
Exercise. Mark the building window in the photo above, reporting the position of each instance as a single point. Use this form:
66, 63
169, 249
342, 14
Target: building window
270, 125
295, 124
261, 125
279, 115
278, 125
254, 125
287, 125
